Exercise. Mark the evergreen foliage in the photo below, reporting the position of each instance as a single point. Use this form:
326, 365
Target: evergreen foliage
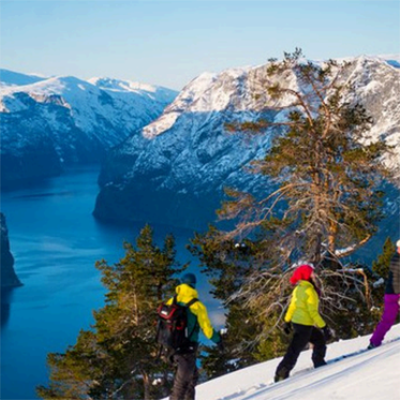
348, 298
118, 357
326, 202
381, 265
228, 265
364, 307
327, 169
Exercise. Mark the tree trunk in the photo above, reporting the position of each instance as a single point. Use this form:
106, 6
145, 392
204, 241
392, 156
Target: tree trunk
146, 386
333, 229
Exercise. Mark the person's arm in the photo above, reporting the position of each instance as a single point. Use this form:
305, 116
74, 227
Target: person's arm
312, 306
292, 307
200, 311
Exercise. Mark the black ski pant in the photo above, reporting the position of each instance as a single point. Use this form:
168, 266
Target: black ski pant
186, 377
303, 334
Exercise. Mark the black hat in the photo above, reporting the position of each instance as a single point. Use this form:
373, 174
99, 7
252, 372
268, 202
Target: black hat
189, 279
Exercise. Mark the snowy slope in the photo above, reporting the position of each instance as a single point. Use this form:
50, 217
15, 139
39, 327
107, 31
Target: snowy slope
392, 59
361, 375
11, 78
76, 120
123, 104
186, 157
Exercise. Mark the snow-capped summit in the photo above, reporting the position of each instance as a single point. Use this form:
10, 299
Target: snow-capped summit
11, 78
117, 84
391, 59
186, 156
157, 93
48, 122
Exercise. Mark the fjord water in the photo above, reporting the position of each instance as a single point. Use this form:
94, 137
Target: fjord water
56, 241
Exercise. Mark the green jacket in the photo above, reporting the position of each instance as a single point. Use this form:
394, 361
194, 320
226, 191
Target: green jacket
197, 314
303, 308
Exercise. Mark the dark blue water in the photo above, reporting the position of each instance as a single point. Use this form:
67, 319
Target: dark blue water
56, 242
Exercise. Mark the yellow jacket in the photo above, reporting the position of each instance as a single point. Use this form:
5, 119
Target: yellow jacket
303, 308
197, 312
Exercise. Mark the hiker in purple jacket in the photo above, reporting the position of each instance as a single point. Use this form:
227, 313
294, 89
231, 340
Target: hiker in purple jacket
392, 299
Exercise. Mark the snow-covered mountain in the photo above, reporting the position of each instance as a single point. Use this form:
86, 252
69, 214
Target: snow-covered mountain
48, 122
352, 373
174, 170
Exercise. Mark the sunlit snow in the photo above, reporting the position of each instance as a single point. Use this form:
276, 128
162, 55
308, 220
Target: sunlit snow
352, 373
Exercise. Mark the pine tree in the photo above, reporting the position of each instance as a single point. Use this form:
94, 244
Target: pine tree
381, 265
228, 264
118, 357
326, 201
327, 169
381, 268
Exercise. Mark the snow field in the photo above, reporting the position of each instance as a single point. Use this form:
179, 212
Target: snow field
352, 373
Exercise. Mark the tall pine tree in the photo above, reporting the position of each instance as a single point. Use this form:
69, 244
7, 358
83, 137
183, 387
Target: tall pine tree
118, 357
326, 168
326, 200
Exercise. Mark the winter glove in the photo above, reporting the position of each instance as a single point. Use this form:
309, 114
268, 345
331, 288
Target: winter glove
287, 328
328, 334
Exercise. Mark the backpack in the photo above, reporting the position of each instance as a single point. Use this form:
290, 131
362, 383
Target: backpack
172, 332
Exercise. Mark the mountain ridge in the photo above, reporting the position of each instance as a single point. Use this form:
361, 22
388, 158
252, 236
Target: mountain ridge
59, 121
185, 157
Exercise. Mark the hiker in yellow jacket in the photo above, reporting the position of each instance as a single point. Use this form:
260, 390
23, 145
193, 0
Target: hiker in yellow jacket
185, 357
308, 325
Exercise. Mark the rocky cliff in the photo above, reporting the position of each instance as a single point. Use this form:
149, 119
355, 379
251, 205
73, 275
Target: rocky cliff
8, 276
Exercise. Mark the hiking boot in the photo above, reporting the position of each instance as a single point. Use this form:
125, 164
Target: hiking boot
278, 378
371, 346
320, 364
281, 375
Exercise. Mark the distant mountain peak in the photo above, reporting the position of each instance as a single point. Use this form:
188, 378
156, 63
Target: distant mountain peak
67, 120
12, 78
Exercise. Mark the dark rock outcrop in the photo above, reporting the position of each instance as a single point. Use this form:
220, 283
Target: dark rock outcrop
9, 278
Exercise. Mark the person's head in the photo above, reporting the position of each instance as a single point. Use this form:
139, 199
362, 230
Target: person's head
189, 279
304, 272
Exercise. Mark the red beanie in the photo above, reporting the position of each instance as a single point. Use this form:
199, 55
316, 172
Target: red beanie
302, 273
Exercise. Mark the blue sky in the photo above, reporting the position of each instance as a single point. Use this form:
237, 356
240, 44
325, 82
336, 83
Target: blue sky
170, 42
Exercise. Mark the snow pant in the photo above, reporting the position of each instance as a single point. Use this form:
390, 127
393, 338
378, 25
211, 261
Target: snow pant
303, 335
186, 377
390, 312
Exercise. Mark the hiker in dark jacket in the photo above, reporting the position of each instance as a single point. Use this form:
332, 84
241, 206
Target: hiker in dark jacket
391, 301
308, 325
185, 359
